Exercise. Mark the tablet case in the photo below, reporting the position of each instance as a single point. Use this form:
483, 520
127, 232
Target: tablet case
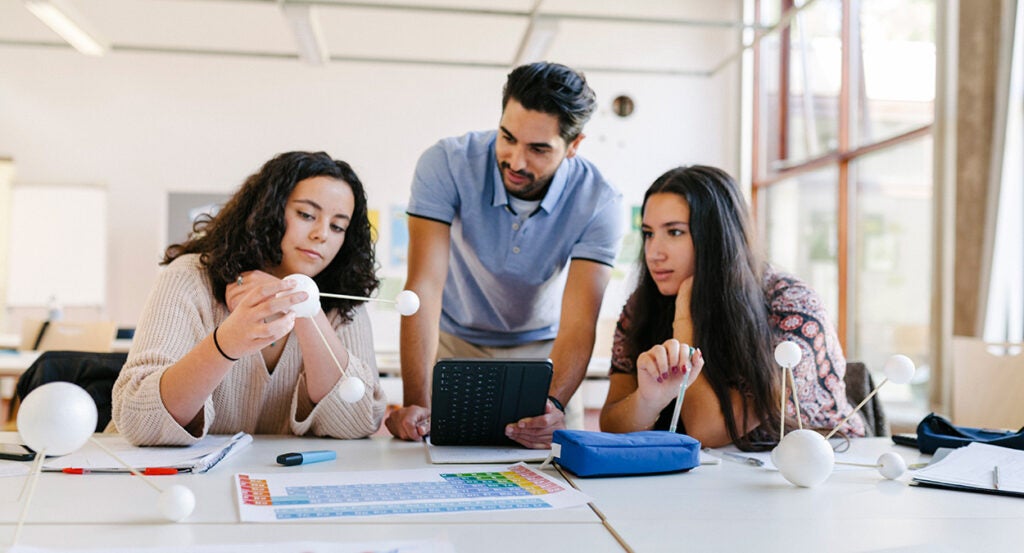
472, 400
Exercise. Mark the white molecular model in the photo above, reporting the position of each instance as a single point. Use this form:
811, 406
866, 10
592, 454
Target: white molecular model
57, 419
351, 389
804, 457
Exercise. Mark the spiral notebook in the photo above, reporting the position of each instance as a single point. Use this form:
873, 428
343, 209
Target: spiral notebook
978, 467
197, 458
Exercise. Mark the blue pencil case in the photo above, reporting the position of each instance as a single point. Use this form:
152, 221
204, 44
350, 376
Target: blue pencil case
587, 453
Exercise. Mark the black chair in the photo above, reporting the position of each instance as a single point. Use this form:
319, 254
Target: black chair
858, 385
94, 372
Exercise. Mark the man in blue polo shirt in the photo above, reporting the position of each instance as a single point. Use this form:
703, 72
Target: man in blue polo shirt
511, 242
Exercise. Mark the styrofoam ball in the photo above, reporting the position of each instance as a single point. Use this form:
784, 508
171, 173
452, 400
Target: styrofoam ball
57, 418
311, 306
804, 458
352, 389
407, 302
787, 354
891, 465
899, 369
176, 503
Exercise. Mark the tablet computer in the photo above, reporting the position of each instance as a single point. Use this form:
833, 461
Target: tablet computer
472, 400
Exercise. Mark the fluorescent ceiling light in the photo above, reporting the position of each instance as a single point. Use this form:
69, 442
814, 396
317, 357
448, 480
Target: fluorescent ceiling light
537, 40
64, 20
308, 38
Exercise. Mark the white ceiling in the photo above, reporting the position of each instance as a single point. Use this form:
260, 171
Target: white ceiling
685, 37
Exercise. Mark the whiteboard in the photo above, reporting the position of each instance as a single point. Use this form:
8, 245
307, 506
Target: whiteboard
58, 245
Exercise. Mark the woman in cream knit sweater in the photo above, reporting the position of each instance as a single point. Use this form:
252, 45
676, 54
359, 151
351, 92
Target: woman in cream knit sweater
217, 349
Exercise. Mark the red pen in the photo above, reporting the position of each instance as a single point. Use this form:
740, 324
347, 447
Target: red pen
150, 471
160, 471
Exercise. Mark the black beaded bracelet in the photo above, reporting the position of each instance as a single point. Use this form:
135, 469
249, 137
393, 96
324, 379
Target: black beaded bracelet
558, 404
216, 343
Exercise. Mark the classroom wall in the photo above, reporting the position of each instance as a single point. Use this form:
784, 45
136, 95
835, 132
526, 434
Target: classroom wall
144, 125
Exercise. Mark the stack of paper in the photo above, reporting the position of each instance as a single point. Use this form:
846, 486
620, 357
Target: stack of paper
977, 467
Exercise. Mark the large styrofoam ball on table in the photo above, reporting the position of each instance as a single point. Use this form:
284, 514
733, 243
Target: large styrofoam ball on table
311, 306
176, 503
407, 302
899, 369
787, 354
351, 389
57, 418
891, 465
804, 458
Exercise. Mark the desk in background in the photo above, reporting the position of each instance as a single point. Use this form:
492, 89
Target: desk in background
13, 341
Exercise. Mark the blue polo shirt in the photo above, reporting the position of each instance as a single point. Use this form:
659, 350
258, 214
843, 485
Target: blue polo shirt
507, 271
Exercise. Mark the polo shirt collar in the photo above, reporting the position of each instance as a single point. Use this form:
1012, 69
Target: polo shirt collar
550, 198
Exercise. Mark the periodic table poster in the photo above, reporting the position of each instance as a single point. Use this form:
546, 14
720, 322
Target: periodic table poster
306, 497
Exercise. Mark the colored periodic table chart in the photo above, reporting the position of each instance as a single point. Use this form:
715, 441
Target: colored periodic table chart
305, 497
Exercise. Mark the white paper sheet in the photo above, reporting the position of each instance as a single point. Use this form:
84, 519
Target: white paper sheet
482, 454
425, 546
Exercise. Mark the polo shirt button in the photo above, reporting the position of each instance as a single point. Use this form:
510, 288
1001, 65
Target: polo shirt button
515, 249
515, 226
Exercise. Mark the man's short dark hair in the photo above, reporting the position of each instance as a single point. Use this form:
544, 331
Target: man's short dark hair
555, 89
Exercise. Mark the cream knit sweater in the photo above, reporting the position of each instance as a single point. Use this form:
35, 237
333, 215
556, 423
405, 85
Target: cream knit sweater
181, 312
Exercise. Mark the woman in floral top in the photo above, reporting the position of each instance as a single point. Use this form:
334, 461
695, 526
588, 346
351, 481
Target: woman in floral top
702, 283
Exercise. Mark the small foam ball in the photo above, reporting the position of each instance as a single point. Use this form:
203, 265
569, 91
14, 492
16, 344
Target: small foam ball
311, 306
804, 458
891, 465
176, 503
351, 389
57, 418
407, 302
899, 369
788, 354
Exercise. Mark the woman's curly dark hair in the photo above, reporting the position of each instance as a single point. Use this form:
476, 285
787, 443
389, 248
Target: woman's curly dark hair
246, 234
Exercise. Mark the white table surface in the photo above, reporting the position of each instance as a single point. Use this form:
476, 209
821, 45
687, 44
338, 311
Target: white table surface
735, 507
117, 510
725, 507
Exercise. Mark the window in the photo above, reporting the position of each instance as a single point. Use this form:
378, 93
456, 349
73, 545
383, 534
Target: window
842, 165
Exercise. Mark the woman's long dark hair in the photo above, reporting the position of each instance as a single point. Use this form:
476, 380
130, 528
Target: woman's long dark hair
246, 234
728, 305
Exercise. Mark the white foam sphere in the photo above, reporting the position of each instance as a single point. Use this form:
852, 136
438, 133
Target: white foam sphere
804, 458
899, 369
57, 418
351, 389
407, 302
311, 306
787, 354
891, 465
176, 503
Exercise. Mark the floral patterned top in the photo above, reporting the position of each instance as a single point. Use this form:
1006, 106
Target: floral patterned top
797, 315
